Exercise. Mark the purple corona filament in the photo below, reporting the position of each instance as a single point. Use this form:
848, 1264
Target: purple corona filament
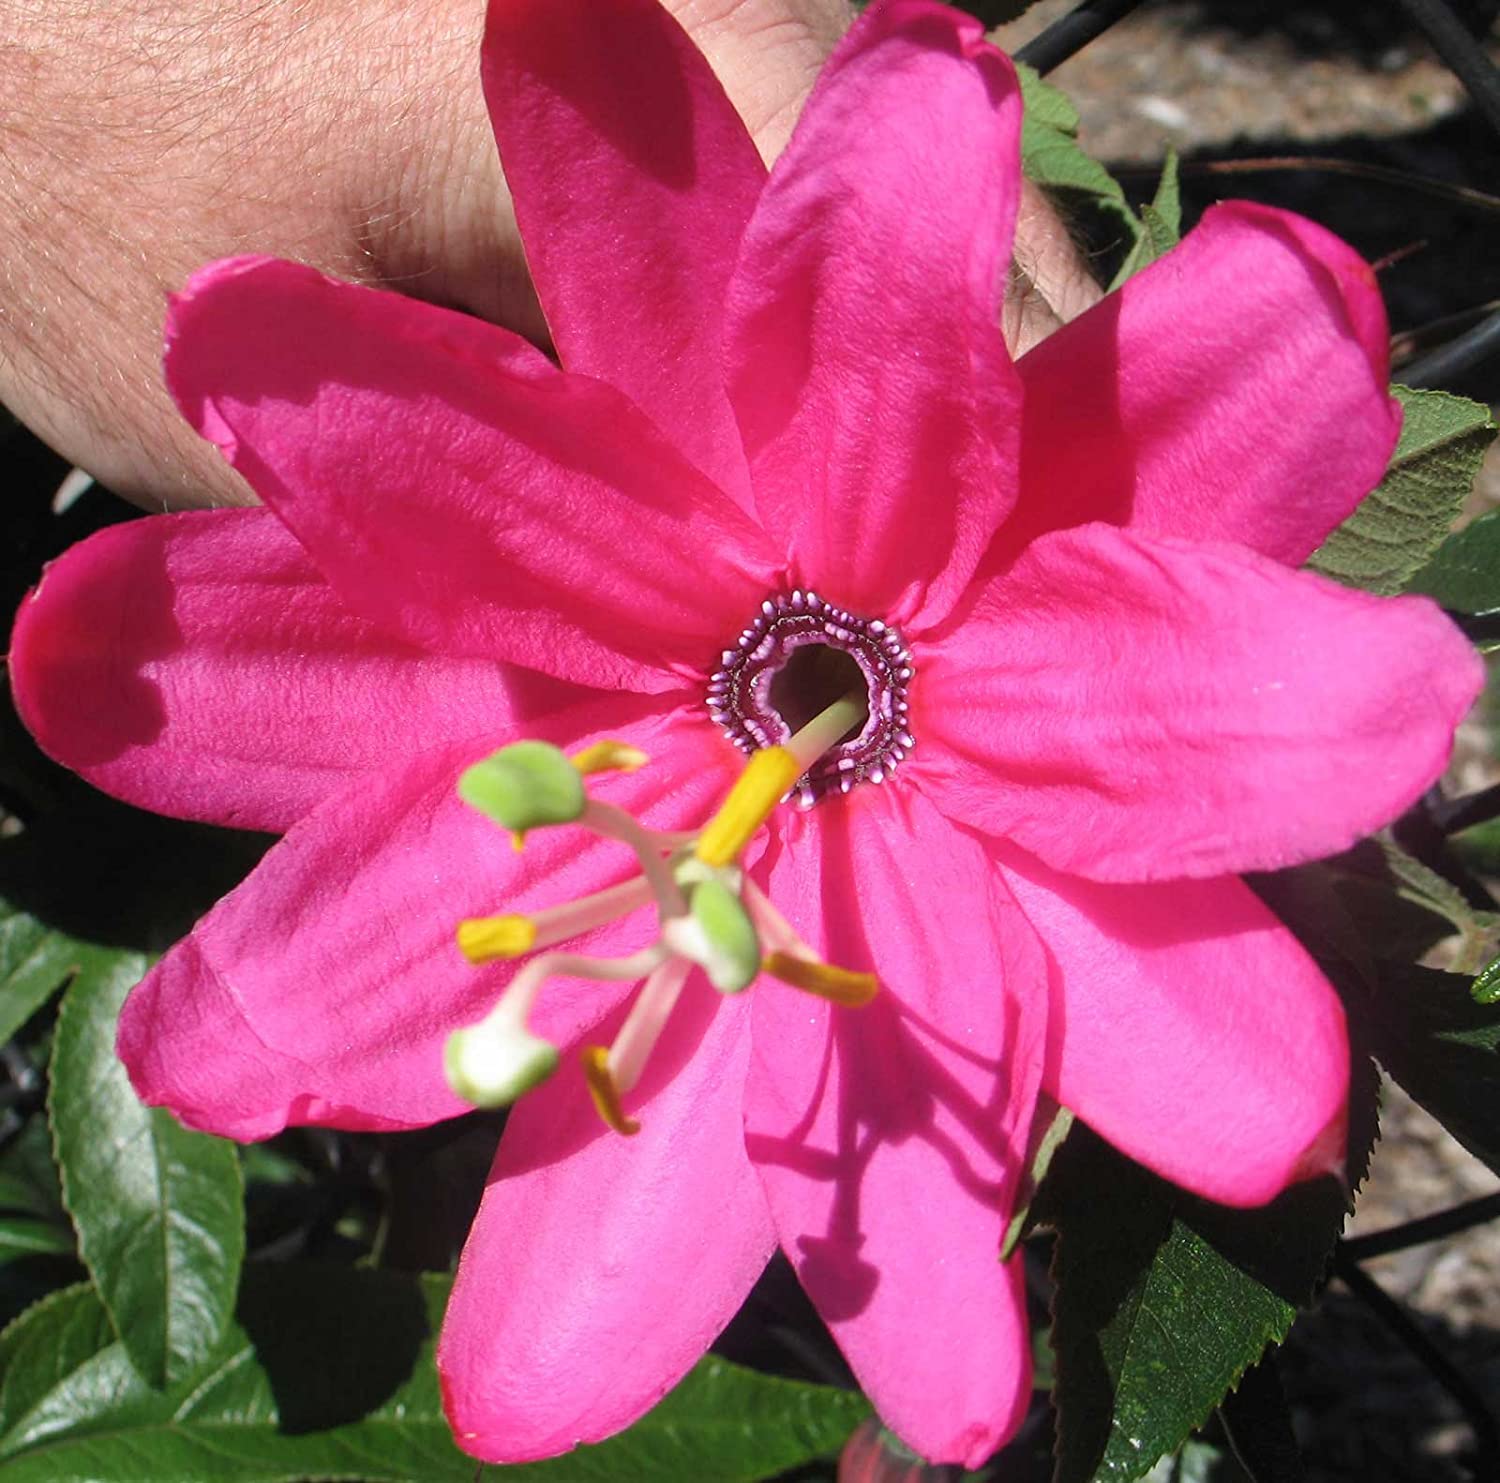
740, 698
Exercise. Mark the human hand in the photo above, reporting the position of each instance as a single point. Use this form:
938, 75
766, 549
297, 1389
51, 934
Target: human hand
151, 139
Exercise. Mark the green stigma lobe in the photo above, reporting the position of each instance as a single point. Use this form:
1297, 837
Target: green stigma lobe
733, 956
490, 1065
524, 786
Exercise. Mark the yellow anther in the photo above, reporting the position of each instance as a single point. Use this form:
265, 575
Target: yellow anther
603, 1090
609, 756
837, 985
763, 784
483, 939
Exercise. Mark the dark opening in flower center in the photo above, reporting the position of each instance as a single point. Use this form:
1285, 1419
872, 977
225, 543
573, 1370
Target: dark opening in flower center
798, 656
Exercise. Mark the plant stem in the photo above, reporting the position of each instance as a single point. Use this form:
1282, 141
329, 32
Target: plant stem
1427, 1228
1072, 33
1439, 1366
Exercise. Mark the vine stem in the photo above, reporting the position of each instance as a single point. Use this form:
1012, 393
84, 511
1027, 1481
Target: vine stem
1405, 1328
1460, 354
1460, 53
1427, 1228
1072, 32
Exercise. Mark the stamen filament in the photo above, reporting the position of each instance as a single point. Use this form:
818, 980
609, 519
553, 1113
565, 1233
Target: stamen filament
775, 932
709, 916
615, 823
791, 960
516, 1003
645, 1022
483, 939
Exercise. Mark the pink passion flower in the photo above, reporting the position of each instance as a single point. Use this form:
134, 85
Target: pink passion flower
786, 450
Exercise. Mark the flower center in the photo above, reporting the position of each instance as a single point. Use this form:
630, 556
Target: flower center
709, 915
799, 654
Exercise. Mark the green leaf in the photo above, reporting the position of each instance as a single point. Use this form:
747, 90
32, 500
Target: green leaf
1052, 157
1401, 523
34, 963
1423, 886
1375, 902
29, 1235
1161, 224
158, 1209
45, 1346
1310, 900
1163, 1301
721, 1422
1050, 1125
1464, 575
329, 1374
1420, 885
1486, 986
28, 1177
37, 1246
1478, 847
1444, 1048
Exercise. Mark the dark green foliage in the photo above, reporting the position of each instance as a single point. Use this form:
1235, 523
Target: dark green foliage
328, 1373
159, 1209
1401, 524
1464, 573
1160, 221
1164, 1300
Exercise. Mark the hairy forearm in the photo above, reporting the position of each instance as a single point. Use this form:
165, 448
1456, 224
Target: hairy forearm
142, 140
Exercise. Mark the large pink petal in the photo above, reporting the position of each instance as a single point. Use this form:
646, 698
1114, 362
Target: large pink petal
323, 989
1194, 1032
600, 1268
1235, 390
1138, 709
451, 483
876, 400
632, 180
199, 665
889, 1138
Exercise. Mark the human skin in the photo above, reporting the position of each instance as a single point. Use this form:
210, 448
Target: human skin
145, 139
